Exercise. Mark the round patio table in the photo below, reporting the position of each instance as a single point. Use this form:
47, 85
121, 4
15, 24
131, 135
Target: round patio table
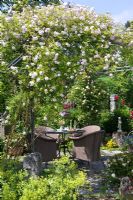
64, 138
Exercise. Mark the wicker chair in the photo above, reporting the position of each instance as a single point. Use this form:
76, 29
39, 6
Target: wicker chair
46, 144
87, 144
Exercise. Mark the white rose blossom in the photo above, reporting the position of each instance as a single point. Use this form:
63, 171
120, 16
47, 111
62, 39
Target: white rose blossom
41, 73
56, 33
14, 68
68, 63
113, 175
34, 38
33, 74
83, 62
41, 32
56, 56
47, 30
46, 78
24, 29
38, 80
31, 83
46, 91
47, 53
35, 59
39, 66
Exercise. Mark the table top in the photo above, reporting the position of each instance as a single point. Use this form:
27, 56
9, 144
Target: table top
65, 131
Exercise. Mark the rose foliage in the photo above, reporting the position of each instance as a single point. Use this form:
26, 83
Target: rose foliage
46, 50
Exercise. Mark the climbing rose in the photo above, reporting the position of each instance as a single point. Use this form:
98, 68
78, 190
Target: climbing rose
116, 98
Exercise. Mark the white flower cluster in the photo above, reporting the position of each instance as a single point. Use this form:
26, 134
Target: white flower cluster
60, 43
14, 69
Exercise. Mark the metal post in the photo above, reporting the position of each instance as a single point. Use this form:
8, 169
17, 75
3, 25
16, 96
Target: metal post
32, 123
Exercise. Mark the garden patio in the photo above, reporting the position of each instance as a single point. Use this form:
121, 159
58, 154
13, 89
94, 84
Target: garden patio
66, 103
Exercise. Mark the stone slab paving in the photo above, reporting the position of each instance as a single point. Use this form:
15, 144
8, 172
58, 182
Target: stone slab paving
97, 192
95, 173
110, 153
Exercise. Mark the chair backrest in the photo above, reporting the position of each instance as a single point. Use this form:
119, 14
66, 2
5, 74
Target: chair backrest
45, 143
42, 132
91, 129
87, 146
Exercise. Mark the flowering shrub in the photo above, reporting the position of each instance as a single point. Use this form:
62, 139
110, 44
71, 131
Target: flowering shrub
45, 50
40, 34
120, 102
116, 97
118, 166
128, 35
111, 144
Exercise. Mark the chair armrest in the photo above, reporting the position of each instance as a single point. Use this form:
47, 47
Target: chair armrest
46, 137
84, 135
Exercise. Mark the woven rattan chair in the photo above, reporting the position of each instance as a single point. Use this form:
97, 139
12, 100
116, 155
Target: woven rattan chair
46, 143
87, 144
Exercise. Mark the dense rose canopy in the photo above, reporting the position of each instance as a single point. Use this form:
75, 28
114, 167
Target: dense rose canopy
57, 44
55, 47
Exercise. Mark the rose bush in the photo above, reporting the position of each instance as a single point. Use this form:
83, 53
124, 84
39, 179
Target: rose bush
118, 166
47, 50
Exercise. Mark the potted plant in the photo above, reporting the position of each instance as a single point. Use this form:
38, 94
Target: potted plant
129, 142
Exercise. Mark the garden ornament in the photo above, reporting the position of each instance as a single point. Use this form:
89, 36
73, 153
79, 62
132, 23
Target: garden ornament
112, 103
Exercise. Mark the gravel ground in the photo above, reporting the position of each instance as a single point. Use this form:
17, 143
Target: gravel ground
97, 181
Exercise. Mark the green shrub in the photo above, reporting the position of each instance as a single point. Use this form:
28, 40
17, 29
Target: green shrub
60, 181
120, 165
11, 178
12, 187
1, 145
109, 120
